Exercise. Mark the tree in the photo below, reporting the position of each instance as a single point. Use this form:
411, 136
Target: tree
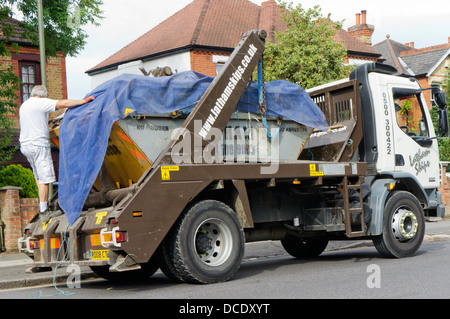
9, 83
305, 54
63, 22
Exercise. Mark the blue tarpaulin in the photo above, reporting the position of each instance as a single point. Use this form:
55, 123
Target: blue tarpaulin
84, 131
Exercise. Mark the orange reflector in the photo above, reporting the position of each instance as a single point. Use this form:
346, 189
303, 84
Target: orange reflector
54, 243
137, 214
96, 241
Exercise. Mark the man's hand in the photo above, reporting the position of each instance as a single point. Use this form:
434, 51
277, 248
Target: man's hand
61, 104
89, 99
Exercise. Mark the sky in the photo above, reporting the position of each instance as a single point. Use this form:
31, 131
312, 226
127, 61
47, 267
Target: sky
424, 23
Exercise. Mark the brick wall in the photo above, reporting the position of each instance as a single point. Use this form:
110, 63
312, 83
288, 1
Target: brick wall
202, 61
445, 191
16, 213
55, 70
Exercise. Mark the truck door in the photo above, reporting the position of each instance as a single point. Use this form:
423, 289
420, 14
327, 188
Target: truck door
415, 152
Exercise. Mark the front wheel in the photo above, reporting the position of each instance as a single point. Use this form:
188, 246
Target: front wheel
403, 226
206, 245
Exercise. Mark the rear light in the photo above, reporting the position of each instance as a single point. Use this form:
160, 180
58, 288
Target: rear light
121, 237
28, 245
112, 237
35, 244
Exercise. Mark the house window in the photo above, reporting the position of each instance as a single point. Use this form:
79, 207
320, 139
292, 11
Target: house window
29, 77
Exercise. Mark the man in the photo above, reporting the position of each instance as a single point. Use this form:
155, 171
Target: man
34, 140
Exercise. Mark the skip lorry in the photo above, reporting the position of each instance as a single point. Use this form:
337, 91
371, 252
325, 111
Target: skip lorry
163, 201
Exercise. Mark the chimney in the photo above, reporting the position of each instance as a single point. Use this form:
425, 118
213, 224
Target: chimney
411, 44
362, 31
358, 19
363, 16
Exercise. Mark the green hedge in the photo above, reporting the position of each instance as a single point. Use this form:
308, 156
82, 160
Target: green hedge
17, 175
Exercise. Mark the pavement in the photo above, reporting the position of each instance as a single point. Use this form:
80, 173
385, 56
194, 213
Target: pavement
13, 265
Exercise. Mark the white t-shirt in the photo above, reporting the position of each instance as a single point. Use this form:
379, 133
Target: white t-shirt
33, 116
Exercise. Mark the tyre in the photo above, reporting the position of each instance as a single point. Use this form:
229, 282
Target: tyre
206, 245
403, 226
166, 265
304, 248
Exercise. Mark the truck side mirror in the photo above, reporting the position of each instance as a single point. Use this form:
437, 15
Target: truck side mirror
441, 99
442, 113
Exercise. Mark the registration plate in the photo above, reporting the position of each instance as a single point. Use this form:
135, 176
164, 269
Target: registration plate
98, 254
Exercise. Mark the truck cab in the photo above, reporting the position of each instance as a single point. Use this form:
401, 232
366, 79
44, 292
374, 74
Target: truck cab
399, 137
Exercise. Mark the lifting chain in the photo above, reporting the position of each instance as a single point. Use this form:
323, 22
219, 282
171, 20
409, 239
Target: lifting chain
261, 87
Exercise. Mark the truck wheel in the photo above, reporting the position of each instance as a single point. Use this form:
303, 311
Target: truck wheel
304, 248
403, 226
206, 245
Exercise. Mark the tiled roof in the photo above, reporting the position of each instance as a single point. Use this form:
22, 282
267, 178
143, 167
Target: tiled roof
214, 24
422, 61
16, 35
417, 61
354, 45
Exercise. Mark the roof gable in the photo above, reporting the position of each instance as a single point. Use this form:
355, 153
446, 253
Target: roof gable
391, 50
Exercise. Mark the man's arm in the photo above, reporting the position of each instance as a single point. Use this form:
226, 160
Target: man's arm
62, 104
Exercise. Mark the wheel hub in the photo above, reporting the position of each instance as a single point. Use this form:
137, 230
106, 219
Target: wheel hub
203, 243
404, 224
213, 242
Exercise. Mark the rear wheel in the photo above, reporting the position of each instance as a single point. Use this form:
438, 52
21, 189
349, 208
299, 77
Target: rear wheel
206, 245
302, 247
403, 226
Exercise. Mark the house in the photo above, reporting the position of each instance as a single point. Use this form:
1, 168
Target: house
202, 35
428, 65
26, 65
